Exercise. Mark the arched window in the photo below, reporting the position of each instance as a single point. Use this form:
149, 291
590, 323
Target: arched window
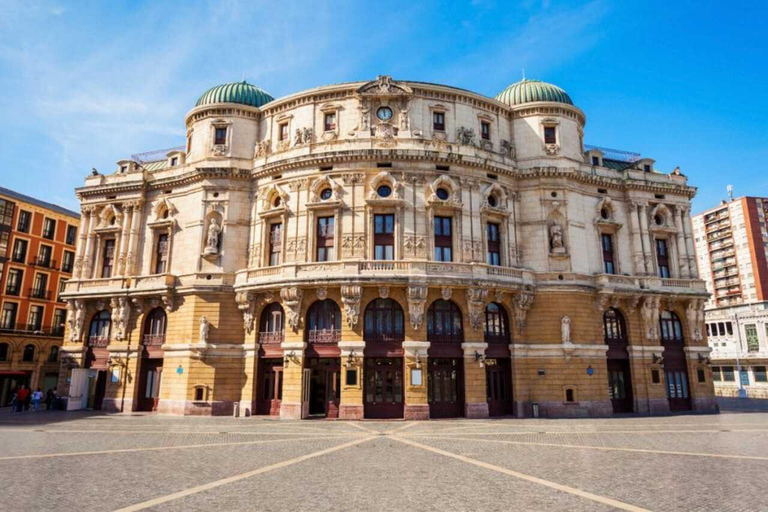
324, 322
444, 322
615, 329
496, 324
29, 353
154, 327
384, 321
271, 330
53, 355
4, 351
98, 334
671, 328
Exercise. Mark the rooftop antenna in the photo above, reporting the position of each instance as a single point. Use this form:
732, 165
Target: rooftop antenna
729, 190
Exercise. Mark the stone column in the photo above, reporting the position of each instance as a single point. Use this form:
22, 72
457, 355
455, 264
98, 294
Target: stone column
475, 397
127, 223
650, 268
88, 250
688, 229
85, 218
131, 257
293, 380
637, 243
351, 397
416, 398
682, 250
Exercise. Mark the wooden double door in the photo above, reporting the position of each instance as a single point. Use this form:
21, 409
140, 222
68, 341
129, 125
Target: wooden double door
149, 384
676, 379
498, 386
324, 386
269, 392
620, 385
383, 388
446, 387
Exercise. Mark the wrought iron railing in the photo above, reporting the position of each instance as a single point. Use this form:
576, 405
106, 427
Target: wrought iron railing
39, 293
383, 337
153, 340
324, 336
271, 337
98, 341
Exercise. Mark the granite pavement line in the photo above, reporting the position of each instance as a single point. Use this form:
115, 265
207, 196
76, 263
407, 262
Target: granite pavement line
443, 433
601, 448
163, 448
522, 476
224, 481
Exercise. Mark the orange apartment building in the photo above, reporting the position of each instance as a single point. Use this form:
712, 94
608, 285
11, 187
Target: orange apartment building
37, 256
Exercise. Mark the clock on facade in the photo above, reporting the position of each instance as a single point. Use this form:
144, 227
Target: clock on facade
384, 113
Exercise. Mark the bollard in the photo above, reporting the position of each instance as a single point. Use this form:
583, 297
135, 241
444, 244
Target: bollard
535, 410
236, 410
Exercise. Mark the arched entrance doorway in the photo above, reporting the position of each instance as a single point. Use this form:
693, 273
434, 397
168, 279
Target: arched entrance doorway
322, 361
383, 332
97, 359
151, 371
269, 373
498, 361
445, 382
619, 374
675, 363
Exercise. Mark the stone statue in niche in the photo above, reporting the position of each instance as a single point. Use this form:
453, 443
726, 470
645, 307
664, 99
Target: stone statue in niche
404, 119
565, 330
466, 136
205, 328
212, 240
556, 243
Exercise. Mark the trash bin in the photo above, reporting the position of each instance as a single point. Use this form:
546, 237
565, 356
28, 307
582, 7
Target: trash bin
535, 408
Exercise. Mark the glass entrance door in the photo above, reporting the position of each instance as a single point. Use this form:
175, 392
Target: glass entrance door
383, 388
620, 385
498, 386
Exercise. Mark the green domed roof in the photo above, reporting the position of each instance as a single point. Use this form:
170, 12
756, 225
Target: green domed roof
529, 91
235, 92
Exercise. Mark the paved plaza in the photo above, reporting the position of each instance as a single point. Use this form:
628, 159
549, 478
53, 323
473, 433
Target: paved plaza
91, 461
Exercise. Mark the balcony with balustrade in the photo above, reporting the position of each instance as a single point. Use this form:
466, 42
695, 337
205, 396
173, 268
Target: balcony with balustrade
271, 337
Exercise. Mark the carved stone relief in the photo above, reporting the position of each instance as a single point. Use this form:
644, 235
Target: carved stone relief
476, 298
291, 301
350, 298
417, 298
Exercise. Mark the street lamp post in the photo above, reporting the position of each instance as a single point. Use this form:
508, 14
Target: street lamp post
742, 391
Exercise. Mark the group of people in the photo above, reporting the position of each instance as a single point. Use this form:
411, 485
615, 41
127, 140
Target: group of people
24, 398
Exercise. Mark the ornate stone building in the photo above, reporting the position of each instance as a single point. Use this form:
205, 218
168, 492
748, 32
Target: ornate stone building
387, 249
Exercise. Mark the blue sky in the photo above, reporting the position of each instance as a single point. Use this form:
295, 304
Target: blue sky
85, 84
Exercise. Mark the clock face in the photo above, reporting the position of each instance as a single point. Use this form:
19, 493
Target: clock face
384, 113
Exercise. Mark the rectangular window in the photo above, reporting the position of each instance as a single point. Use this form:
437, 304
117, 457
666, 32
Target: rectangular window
330, 121
728, 374
62, 286
13, 283
744, 377
384, 237
716, 376
607, 244
283, 131
174, 161
19, 251
8, 319
6, 212
729, 328
59, 317
549, 135
161, 253
108, 258
596, 160
221, 136
4, 237
40, 286
700, 375
44, 255
25, 219
443, 239
49, 229
485, 130
494, 244
753, 342
275, 243
68, 261
71, 234
438, 121
35, 318
325, 235
677, 384
760, 375
662, 257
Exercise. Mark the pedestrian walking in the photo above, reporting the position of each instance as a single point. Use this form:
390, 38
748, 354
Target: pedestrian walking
37, 395
21, 398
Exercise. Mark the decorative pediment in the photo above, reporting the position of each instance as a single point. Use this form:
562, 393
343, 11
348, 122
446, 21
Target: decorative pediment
384, 86
163, 213
446, 183
110, 217
661, 219
605, 214
494, 198
387, 179
270, 198
319, 185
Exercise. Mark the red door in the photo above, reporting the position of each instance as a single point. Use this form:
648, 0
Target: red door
445, 389
149, 384
498, 386
270, 391
383, 388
